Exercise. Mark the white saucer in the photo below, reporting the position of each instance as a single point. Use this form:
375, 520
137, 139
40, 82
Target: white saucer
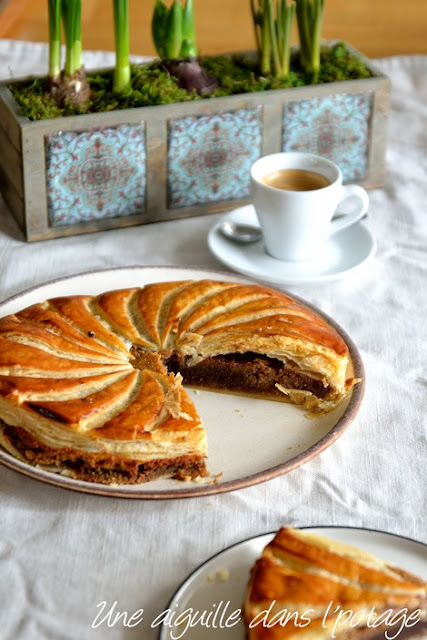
341, 254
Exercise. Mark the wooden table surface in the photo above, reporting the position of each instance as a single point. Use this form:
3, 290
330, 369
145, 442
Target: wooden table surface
376, 27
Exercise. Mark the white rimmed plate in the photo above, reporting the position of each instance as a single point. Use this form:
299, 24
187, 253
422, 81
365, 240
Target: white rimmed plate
218, 585
342, 254
263, 439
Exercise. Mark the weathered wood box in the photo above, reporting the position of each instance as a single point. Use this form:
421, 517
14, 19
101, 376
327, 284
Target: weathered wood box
102, 171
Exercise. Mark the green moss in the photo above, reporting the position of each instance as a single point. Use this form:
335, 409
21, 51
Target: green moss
337, 64
152, 85
34, 102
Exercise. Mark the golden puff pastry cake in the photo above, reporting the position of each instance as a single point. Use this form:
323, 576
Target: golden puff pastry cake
308, 587
93, 384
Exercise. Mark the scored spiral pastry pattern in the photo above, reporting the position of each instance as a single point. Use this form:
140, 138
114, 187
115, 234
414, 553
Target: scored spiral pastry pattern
88, 372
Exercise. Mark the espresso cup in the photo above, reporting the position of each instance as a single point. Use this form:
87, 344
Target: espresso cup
296, 198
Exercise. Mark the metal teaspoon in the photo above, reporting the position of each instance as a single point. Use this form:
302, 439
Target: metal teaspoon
243, 233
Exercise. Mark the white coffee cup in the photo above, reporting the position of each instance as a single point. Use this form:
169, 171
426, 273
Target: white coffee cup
295, 223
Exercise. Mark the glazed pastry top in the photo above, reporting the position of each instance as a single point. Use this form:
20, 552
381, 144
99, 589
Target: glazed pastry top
313, 576
71, 361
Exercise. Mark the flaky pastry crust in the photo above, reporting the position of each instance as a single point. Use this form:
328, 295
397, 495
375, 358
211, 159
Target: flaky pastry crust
94, 382
307, 583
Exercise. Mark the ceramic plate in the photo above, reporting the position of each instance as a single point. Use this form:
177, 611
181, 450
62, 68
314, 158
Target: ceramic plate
219, 585
252, 454
340, 255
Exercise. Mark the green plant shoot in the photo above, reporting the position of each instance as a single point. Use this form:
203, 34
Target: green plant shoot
273, 24
71, 17
188, 47
54, 10
121, 80
173, 30
309, 21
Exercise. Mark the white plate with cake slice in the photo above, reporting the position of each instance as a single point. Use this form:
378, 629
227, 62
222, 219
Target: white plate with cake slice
209, 603
250, 439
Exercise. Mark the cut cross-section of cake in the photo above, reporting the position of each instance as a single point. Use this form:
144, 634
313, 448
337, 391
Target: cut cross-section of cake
305, 586
93, 384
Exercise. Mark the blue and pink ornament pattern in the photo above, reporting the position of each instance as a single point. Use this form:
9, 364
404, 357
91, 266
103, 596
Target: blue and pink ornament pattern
209, 156
334, 126
95, 174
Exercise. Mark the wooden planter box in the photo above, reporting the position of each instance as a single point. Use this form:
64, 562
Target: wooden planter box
92, 172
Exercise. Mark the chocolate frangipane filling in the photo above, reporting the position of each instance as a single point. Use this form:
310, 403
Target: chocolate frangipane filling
101, 467
245, 372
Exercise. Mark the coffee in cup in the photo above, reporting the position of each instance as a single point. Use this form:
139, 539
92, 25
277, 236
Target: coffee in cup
296, 180
296, 197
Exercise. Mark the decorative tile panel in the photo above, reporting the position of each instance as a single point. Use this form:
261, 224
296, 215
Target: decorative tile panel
335, 126
95, 174
209, 157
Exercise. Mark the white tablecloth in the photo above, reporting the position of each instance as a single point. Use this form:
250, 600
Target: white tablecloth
62, 553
